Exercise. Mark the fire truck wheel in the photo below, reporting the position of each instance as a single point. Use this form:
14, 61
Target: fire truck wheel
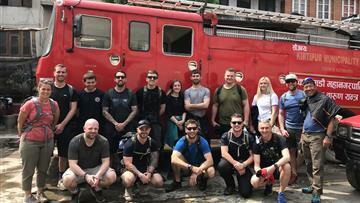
353, 176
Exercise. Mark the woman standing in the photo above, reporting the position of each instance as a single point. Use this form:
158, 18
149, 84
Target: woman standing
266, 101
175, 113
36, 121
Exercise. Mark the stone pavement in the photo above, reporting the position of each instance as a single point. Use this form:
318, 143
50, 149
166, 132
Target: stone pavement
336, 189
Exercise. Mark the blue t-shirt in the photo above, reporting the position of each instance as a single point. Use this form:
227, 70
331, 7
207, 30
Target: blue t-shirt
291, 105
311, 126
194, 154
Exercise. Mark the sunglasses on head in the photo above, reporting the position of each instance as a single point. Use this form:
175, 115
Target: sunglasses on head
120, 76
290, 81
152, 77
191, 128
236, 122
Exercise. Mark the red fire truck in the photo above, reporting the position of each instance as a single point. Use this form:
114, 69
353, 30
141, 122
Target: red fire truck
175, 36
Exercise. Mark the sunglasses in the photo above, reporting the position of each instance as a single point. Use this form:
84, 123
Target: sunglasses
290, 81
120, 76
236, 122
191, 128
152, 77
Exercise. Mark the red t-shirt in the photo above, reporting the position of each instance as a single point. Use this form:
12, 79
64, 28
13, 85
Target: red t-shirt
38, 133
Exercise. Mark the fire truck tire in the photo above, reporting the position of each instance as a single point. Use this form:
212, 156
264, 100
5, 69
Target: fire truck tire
353, 176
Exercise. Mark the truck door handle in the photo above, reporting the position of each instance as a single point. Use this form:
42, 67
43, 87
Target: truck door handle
123, 60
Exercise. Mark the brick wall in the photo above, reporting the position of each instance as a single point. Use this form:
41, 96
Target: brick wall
288, 6
336, 10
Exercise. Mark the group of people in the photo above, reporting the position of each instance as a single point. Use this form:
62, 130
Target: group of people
88, 126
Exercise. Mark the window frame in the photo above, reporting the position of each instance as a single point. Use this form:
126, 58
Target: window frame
299, 6
192, 41
149, 36
323, 5
19, 43
111, 33
348, 5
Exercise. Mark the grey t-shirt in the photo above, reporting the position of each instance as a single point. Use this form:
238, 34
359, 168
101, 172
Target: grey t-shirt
196, 96
88, 157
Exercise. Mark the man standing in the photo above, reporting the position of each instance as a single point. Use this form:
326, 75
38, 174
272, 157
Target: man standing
90, 101
271, 157
316, 137
197, 100
119, 109
236, 156
229, 98
291, 120
151, 104
141, 158
192, 154
89, 162
66, 97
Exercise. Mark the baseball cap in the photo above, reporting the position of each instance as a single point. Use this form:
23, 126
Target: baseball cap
308, 80
291, 76
143, 123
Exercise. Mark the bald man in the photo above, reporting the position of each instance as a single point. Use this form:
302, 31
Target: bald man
89, 160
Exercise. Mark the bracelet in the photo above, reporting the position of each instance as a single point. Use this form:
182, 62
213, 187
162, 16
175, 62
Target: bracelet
85, 176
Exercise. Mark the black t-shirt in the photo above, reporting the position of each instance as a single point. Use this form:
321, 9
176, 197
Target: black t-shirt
149, 103
90, 106
88, 157
270, 152
141, 153
119, 103
174, 106
62, 96
238, 147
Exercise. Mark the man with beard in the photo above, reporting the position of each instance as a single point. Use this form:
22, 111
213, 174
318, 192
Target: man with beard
192, 155
291, 120
140, 157
90, 98
317, 136
89, 162
197, 100
229, 98
65, 130
119, 109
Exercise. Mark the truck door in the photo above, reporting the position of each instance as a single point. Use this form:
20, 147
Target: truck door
139, 47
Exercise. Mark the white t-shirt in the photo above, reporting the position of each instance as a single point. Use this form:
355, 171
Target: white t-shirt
264, 105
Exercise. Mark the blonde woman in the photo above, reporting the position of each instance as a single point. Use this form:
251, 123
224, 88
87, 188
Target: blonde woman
36, 121
266, 101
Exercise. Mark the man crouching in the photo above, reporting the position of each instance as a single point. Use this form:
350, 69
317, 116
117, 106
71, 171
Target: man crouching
89, 160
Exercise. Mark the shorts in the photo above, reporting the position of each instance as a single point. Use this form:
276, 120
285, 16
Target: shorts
63, 139
90, 171
294, 138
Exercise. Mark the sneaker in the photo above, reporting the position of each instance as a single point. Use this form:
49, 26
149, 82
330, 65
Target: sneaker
268, 189
98, 195
202, 182
30, 199
281, 197
173, 186
315, 198
41, 197
60, 185
128, 194
229, 190
307, 190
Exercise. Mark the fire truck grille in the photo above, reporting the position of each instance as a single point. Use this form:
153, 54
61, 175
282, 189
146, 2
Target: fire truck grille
355, 135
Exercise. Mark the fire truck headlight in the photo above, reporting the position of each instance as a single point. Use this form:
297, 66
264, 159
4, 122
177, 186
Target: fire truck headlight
59, 2
342, 131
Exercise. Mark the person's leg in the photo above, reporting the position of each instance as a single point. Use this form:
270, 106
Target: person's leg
292, 145
244, 185
307, 156
70, 180
318, 157
210, 172
128, 179
157, 180
226, 172
285, 173
155, 134
257, 182
43, 164
29, 152
108, 178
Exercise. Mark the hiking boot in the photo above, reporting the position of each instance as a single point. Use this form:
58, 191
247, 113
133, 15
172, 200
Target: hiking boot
30, 199
229, 190
41, 197
60, 185
268, 189
307, 190
173, 186
128, 194
315, 198
281, 197
98, 195
202, 182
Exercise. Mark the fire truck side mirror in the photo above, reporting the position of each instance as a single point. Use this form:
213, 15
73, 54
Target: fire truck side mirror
77, 26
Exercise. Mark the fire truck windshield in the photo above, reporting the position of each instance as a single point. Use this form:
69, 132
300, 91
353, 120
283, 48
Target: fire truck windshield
49, 34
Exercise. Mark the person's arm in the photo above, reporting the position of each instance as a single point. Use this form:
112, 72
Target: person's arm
225, 154
214, 113
104, 167
202, 105
56, 116
329, 131
246, 107
154, 161
207, 163
176, 160
21, 121
274, 113
131, 115
256, 162
282, 123
130, 166
75, 168
107, 115
284, 159
70, 114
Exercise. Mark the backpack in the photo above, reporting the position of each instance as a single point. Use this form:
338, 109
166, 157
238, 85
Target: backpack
186, 148
246, 141
132, 136
218, 91
39, 112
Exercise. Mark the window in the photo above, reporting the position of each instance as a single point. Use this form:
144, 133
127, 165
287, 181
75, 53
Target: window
139, 36
348, 8
299, 6
95, 33
16, 43
267, 5
323, 9
177, 40
244, 3
18, 3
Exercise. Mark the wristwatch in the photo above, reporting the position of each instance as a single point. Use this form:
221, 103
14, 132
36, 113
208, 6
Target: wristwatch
190, 167
276, 166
